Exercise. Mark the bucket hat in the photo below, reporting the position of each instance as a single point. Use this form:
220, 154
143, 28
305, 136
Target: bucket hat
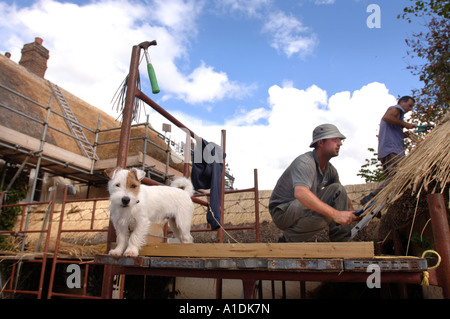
325, 131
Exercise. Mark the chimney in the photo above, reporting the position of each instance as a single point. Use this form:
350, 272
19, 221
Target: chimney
34, 57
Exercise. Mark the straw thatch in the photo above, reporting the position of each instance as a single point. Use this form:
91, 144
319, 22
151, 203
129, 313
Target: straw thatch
17, 78
239, 211
425, 170
77, 216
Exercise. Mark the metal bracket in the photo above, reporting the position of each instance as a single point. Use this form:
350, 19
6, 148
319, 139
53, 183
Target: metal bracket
365, 221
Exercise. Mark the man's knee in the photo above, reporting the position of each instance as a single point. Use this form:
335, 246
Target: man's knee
286, 215
335, 195
336, 188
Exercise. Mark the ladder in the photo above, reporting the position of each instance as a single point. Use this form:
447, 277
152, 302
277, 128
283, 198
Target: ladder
73, 123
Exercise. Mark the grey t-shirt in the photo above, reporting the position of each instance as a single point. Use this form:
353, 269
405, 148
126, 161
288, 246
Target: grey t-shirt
303, 171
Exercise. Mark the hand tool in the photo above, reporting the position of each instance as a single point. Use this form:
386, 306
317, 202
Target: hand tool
366, 219
150, 69
359, 212
423, 128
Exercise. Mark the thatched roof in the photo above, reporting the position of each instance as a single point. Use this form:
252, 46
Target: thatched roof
16, 78
425, 170
36, 88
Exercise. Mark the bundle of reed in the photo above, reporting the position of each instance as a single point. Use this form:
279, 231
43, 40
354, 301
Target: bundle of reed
425, 169
75, 250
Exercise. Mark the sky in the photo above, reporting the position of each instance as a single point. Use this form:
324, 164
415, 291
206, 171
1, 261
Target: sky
265, 71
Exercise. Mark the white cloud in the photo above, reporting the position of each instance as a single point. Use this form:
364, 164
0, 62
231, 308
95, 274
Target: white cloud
92, 59
244, 117
90, 46
204, 84
178, 15
319, 2
294, 113
251, 8
289, 35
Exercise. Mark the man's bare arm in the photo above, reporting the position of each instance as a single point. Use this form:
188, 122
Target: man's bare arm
311, 201
392, 116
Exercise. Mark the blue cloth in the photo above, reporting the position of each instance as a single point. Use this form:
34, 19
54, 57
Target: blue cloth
390, 137
207, 168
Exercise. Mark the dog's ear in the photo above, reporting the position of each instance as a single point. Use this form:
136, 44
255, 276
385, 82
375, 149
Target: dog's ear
110, 172
140, 174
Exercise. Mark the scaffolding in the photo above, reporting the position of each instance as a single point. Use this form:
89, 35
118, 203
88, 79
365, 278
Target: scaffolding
48, 256
39, 154
254, 269
43, 157
250, 270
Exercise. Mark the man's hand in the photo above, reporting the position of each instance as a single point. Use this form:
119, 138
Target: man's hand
344, 218
311, 201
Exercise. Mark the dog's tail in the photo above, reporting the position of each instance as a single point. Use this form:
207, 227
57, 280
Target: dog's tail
184, 184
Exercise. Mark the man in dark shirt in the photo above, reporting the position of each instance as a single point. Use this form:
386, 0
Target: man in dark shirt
309, 197
391, 144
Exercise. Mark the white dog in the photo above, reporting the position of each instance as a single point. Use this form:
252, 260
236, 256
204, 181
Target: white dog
133, 204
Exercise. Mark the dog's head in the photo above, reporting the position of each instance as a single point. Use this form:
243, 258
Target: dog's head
124, 185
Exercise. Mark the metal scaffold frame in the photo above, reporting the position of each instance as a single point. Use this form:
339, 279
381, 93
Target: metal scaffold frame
41, 258
83, 174
250, 270
249, 276
48, 255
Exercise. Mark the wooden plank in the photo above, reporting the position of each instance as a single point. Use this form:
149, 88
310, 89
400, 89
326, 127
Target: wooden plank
262, 250
30, 143
136, 160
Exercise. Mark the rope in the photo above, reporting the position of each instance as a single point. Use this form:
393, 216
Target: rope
423, 229
433, 252
426, 274
425, 279
220, 225
412, 225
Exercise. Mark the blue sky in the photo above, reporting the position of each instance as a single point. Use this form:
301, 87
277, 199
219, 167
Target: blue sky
346, 55
266, 71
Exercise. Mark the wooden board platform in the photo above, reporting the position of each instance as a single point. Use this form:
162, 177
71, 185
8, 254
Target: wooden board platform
262, 250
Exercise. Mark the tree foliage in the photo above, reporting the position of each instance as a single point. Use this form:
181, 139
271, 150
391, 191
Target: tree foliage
440, 8
432, 49
372, 170
14, 195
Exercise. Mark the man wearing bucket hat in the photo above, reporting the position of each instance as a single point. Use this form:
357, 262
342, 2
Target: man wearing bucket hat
309, 197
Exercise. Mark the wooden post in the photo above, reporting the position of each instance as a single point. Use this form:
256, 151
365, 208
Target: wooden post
441, 234
127, 117
124, 142
256, 192
108, 282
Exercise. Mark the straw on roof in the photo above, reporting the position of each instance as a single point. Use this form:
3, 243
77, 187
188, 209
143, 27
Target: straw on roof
426, 169
17, 78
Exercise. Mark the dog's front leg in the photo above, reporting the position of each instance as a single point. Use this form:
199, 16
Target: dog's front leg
137, 238
122, 240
